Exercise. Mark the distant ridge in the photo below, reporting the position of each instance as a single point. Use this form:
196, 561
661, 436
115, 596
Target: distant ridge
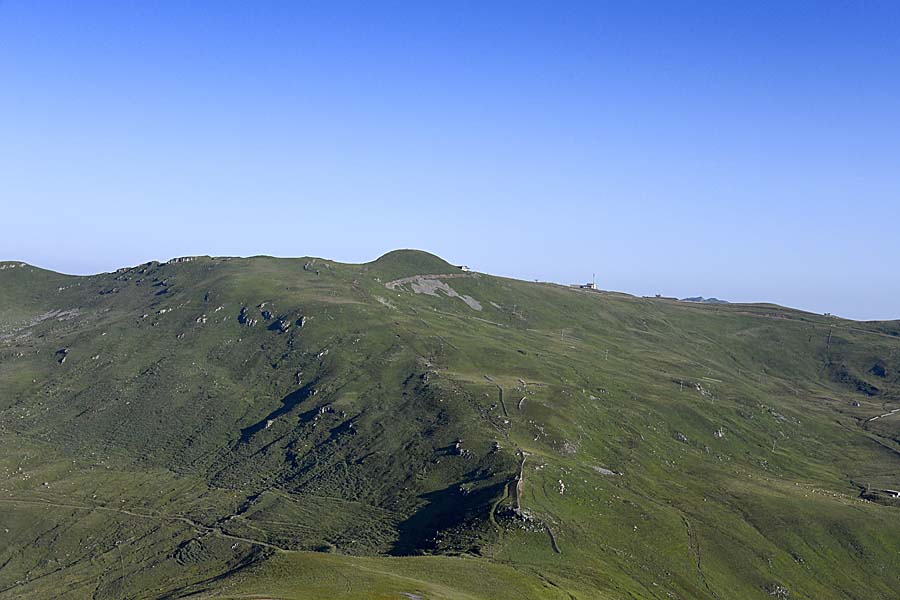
702, 300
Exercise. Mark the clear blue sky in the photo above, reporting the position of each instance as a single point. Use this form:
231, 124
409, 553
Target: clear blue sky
746, 150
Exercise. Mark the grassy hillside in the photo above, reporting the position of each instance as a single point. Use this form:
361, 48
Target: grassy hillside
300, 428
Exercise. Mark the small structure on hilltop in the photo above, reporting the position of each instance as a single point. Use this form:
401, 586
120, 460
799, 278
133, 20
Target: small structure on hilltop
463, 268
592, 285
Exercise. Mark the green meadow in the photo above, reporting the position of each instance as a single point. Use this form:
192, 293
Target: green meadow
401, 429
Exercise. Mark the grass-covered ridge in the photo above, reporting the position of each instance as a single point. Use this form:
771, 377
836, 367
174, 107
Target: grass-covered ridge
301, 428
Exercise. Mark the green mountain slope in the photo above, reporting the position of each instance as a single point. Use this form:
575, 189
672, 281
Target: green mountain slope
300, 428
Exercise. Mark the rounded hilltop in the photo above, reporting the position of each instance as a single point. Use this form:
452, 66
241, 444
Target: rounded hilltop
407, 262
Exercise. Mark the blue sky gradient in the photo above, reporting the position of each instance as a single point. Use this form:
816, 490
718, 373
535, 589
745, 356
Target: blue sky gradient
750, 152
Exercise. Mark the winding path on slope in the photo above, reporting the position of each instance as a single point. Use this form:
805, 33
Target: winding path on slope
887, 414
201, 528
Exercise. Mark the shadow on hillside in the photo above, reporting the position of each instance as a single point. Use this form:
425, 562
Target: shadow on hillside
444, 510
287, 404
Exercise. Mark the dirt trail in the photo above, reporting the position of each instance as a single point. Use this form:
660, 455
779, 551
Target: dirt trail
694, 546
520, 481
502, 403
496, 505
196, 525
887, 414
520, 490
785, 317
500, 388
552, 538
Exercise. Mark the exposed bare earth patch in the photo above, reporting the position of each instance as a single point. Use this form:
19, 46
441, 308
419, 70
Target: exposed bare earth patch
430, 285
385, 302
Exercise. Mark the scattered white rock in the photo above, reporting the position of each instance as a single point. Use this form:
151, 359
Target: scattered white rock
604, 471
